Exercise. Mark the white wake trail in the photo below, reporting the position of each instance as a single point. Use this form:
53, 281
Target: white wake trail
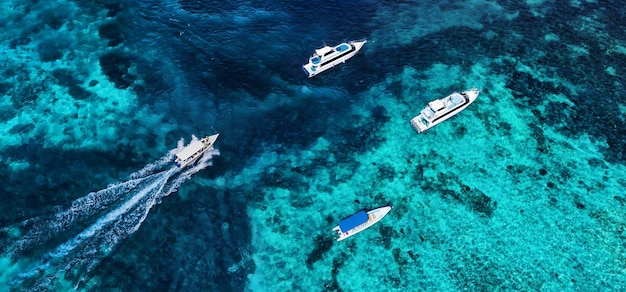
154, 187
143, 208
34, 231
122, 209
43, 228
157, 165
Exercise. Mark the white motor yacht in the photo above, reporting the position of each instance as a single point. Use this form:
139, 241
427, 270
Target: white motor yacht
327, 57
194, 150
440, 110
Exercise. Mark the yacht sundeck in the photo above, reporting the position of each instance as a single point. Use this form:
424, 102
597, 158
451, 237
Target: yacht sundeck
327, 57
360, 221
440, 110
194, 150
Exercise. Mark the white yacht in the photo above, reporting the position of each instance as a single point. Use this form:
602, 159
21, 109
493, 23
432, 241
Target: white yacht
440, 110
194, 150
327, 57
360, 221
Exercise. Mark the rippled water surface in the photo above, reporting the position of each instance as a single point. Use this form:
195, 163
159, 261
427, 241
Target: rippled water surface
523, 190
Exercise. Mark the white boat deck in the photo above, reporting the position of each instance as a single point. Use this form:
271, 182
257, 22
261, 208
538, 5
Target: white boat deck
191, 149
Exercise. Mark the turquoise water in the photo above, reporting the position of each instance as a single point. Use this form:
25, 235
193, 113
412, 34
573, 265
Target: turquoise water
524, 190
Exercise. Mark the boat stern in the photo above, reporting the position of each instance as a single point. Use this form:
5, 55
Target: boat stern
309, 69
339, 236
418, 124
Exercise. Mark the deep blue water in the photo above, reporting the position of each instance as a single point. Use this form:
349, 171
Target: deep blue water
524, 190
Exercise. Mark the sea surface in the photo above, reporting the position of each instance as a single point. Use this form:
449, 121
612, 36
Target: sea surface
525, 190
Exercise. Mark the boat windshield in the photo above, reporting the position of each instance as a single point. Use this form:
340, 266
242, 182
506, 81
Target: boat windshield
428, 112
456, 98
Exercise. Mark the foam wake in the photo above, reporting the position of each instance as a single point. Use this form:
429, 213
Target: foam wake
111, 215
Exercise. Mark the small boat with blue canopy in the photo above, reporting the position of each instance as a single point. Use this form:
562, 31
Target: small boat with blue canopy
359, 222
327, 57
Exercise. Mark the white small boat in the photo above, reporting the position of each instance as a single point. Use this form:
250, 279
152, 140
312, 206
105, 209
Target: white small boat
440, 110
327, 57
194, 150
359, 222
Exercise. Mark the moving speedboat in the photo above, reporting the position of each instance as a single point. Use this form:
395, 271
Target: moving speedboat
194, 150
327, 57
440, 110
360, 221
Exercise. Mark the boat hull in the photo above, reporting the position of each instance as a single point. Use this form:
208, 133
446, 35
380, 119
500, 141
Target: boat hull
421, 123
373, 217
312, 69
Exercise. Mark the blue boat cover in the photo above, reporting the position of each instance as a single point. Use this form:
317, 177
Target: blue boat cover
353, 221
342, 47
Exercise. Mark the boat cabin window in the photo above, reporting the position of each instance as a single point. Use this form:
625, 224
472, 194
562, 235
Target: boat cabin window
337, 56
